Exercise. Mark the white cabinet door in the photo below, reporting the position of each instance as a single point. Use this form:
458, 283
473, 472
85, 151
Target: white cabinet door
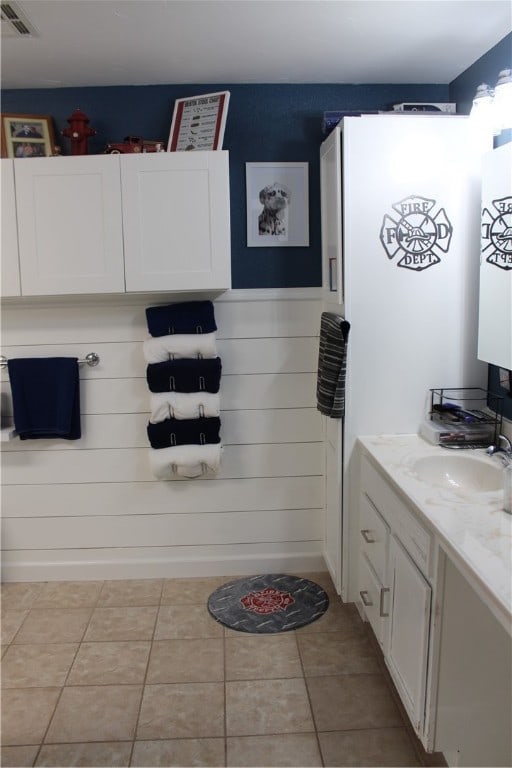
69, 225
176, 221
373, 597
333, 523
330, 195
406, 646
10, 262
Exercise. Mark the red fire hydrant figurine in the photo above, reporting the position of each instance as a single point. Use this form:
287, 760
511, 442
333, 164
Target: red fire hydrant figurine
78, 132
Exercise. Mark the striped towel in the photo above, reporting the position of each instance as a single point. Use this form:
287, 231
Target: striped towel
332, 361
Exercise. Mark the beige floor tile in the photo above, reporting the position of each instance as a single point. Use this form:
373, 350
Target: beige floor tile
54, 625
101, 754
37, 666
112, 663
26, 713
68, 594
176, 622
182, 710
19, 595
262, 657
126, 623
11, 622
331, 653
267, 706
179, 752
190, 591
18, 757
323, 579
338, 617
349, 702
369, 747
282, 750
138, 592
186, 661
95, 713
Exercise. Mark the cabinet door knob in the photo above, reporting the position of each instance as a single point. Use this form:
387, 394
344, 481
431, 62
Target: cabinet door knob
365, 533
383, 590
364, 597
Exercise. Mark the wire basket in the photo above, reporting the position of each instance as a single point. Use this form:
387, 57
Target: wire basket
467, 417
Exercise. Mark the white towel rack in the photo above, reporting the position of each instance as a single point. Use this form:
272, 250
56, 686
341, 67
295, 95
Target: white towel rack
91, 359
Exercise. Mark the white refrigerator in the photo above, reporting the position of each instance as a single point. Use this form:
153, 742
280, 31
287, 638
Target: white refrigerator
400, 202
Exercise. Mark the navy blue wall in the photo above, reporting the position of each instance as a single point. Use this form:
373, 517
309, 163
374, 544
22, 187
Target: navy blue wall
266, 123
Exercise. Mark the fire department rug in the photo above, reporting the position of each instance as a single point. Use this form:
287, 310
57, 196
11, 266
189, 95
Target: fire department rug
265, 604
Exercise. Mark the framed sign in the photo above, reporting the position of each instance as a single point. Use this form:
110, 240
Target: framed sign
277, 204
198, 122
27, 136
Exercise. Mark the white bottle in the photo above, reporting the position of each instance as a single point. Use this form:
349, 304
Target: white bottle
507, 488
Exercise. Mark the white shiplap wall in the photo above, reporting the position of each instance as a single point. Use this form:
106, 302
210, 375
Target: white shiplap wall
91, 509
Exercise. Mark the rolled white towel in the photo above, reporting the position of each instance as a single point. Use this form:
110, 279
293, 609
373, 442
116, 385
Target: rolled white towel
183, 405
185, 460
158, 349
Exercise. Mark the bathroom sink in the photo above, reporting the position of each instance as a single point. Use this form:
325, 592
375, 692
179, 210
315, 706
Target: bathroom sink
460, 472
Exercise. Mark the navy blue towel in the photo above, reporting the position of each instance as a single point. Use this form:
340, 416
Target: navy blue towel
185, 375
171, 432
187, 317
45, 397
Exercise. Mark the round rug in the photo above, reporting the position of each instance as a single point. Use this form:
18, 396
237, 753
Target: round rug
265, 604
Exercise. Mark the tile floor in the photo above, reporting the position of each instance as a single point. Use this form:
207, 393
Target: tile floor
120, 673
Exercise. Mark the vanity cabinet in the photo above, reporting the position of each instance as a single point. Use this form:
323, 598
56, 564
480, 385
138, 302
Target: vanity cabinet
395, 587
116, 224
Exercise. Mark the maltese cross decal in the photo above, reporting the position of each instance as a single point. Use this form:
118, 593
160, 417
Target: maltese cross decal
418, 235
497, 234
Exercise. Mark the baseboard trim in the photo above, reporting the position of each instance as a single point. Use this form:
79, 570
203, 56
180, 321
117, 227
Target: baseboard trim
161, 569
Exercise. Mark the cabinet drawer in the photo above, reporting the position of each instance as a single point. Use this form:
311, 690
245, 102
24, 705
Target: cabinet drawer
374, 537
408, 529
374, 597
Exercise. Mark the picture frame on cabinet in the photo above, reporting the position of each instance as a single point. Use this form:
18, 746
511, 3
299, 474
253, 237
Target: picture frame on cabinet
198, 122
27, 135
277, 204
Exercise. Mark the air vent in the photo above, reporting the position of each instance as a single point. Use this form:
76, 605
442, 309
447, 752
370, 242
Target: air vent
15, 22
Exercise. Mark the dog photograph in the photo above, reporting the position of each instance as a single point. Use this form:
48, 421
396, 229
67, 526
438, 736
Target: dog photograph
277, 204
273, 219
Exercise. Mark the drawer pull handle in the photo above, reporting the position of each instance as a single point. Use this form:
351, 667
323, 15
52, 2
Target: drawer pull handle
365, 533
364, 597
383, 590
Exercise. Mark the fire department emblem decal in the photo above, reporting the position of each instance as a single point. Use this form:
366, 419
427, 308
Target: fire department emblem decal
419, 235
497, 234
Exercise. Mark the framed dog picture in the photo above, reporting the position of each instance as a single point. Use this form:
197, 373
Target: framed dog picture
277, 204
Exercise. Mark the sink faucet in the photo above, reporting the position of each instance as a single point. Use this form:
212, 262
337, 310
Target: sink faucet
503, 448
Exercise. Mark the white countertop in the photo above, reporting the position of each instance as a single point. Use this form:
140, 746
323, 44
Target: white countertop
472, 529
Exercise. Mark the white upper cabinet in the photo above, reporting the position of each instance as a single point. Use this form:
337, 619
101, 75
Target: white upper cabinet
82, 222
69, 225
176, 221
10, 265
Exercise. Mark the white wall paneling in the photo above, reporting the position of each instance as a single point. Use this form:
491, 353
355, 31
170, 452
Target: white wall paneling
91, 508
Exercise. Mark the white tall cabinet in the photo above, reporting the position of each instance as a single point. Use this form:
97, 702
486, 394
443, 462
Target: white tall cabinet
400, 248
